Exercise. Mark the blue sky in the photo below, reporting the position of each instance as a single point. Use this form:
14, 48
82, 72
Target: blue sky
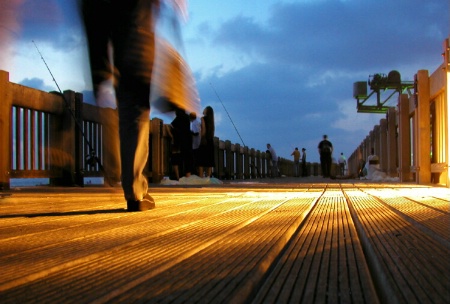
284, 70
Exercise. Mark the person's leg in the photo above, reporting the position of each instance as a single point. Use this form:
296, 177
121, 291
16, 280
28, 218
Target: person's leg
201, 171
134, 127
133, 90
188, 160
176, 172
328, 165
323, 165
275, 169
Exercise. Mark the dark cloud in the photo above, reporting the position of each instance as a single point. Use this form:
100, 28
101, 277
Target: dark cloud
297, 84
344, 35
295, 69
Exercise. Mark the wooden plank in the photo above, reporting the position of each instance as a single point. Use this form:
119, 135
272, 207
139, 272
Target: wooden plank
324, 262
215, 244
402, 253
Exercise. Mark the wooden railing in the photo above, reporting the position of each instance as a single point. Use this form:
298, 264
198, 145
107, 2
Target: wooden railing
48, 135
412, 140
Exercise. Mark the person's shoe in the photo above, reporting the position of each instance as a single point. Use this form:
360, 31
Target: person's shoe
146, 203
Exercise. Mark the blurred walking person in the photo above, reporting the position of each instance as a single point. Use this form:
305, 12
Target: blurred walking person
121, 38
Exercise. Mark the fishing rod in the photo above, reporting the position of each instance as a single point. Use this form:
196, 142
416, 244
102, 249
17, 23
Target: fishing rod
227, 113
91, 159
252, 164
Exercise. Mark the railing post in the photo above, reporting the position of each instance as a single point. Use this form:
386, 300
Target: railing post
79, 169
404, 139
218, 159
263, 164
252, 163
5, 131
366, 147
258, 163
376, 140
383, 146
281, 167
62, 142
423, 134
237, 148
392, 142
109, 119
228, 154
156, 151
246, 163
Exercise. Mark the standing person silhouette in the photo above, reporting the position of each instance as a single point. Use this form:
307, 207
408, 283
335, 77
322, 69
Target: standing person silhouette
342, 162
325, 148
296, 154
125, 30
206, 150
274, 156
304, 168
182, 136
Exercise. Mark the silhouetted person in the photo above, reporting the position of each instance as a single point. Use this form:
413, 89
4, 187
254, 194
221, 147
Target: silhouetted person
296, 154
304, 168
342, 162
274, 157
182, 140
325, 149
206, 150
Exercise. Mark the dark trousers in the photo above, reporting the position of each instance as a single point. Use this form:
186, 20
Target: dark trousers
325, 162
296, 168
127, 27
304, 169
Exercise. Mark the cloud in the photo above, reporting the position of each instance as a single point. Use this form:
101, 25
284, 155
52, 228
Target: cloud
37, 83
285, 75
352, 122
290, 77
327, 35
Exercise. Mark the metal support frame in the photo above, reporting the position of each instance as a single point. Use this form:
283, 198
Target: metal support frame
379, 83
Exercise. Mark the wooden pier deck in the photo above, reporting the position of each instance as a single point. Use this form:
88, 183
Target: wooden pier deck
273, 241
